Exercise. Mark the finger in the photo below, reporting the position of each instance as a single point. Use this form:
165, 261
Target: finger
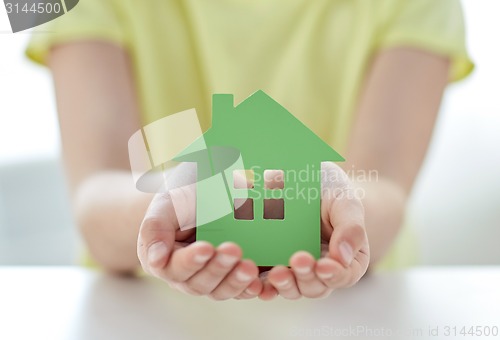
222, 263
184, 202
186, 262
302, 264
157, 233
268, 291
349, 234
283, 280
330, 272
252, 291
342, 217
346, 242
236, 281
335, 275
359, 266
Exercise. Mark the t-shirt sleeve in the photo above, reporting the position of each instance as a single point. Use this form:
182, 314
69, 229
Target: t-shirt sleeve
436, 26
89, 20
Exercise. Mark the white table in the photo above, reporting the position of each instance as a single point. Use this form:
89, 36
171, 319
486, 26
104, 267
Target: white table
56, 303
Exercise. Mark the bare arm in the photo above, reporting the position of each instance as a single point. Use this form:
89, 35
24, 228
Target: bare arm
98, 112
391, 133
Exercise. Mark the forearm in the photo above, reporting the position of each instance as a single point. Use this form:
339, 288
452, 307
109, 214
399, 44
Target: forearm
109, 210
384, 202
394, 122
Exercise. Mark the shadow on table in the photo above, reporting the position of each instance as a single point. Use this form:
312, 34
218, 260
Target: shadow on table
144, 308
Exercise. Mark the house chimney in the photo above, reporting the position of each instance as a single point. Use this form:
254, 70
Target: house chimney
222, 106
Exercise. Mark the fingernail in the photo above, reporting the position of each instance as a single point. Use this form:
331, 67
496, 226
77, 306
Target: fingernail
325, 275
226, 260
346, 252
283, 283
241, 276
198, 258
249, 292
302, 270
156, 252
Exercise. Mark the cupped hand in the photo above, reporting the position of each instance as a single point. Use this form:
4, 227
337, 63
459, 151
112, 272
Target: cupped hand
345, 250
167, 250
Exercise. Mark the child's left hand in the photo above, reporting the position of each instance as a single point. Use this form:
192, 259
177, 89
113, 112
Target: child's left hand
345, 251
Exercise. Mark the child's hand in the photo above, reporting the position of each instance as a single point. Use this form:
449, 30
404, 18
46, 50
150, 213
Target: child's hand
345, 250
197, 268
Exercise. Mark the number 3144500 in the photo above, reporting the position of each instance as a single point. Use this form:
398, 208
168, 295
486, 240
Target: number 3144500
33, 8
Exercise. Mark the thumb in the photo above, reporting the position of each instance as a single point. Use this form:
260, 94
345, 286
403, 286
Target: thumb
157, 233
349, 234
342, 215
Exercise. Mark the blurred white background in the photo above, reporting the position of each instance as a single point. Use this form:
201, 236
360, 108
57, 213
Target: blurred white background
455, 207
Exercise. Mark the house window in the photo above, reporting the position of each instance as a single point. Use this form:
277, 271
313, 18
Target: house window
243, 179
274, 179
243, 208
274, 208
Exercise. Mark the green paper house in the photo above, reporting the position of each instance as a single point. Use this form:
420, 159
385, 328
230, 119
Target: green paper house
269, 222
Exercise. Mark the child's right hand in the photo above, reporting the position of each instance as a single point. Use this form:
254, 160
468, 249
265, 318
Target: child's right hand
169, 253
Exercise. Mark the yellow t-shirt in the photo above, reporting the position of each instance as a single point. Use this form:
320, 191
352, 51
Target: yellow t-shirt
311, 56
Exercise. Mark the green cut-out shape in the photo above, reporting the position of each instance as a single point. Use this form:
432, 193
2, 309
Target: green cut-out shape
267, 137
